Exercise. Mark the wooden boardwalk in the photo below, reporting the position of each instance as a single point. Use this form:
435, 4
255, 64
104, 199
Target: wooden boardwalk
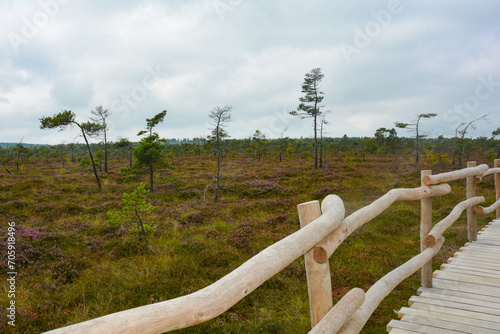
465, 297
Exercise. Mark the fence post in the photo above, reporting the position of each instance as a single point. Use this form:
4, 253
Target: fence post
497, 184
425, 228
471, 214
319, 284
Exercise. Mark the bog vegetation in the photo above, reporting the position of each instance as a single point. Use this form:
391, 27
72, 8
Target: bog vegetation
83, 252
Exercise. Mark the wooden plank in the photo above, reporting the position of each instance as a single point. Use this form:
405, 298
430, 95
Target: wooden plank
462, 300
467, 257
488, 235
492, 224
450, 318
480, 252
465, 297
454, 305
449, 325
465, 287
460, 255
487, 242
459, 313
464, 277
481, 271
491, 230
472, 263
482, 248
475, 244
436, 293
419, 328
402, 331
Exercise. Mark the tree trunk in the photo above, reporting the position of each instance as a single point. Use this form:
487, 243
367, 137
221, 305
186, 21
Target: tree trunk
321, 148
151, 177
416, 157
91, 159
315, 142
105, 151
218, 174
130, 154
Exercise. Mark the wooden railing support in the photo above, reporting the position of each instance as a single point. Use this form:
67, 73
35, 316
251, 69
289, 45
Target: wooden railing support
319, 283
471, 214
341, 313
425, 228
497, 184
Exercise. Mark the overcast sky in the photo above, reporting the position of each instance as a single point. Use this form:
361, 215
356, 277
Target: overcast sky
383, 61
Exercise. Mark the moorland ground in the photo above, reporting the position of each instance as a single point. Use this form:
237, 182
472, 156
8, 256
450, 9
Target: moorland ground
73, 265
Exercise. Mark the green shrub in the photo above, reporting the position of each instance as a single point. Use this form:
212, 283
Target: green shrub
134, 211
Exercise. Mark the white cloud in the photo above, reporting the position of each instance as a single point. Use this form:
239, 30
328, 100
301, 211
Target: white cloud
138, 58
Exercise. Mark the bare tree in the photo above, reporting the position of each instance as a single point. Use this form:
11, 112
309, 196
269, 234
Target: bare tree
220, 116
461, 130
283, 139
322, 124
100, 117
414, 126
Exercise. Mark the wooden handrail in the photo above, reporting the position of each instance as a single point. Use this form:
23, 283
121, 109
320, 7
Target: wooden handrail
486, 211
325, 249
455, 175
496, 164
491, 171
333, 321
385, 285
439, 228
217, 298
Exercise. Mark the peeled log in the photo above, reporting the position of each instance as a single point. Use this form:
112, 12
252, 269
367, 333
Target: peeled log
455, 175
385, 285
325, 249
340, 313
486, 211
439, 228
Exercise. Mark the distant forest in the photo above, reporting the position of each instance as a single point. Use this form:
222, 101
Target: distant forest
433, 151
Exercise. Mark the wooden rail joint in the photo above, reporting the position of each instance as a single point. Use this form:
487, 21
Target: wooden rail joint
455, 175
325, 249
438, 229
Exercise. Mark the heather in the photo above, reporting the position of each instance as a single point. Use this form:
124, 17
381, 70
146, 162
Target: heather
74, 265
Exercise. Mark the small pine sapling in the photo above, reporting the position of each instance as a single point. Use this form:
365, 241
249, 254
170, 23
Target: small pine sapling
135, 209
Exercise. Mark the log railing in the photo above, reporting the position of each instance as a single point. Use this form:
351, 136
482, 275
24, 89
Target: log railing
323, 229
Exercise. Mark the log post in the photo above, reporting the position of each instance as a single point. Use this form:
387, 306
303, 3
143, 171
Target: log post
319, 284
471, 214
425, 228
497, 184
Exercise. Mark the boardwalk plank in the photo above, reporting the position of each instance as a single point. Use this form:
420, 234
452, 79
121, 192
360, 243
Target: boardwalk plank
465, 287
448, 325
419, 328
464, 277
465, 293
450, 318
402, 331
475, 271
472, 263
473, 298
454, 305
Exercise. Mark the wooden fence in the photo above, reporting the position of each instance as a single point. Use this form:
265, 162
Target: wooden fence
323, 229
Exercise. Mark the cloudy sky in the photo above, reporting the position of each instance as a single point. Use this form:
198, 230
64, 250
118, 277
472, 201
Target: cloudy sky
383, 61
